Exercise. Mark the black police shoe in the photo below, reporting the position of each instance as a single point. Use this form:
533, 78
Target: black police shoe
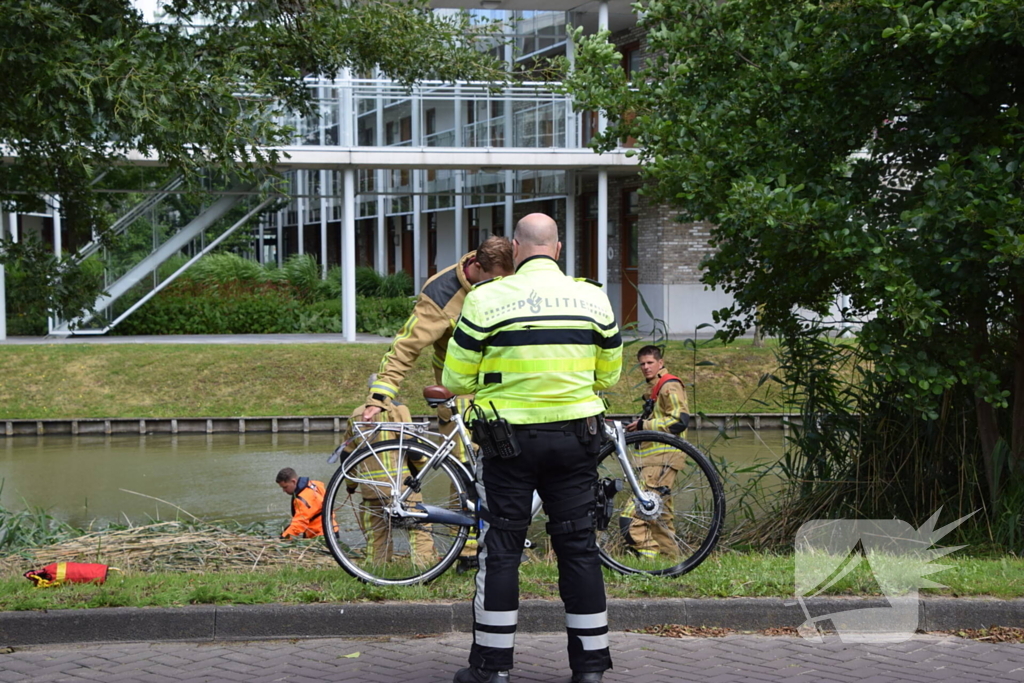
587, 676
472, 674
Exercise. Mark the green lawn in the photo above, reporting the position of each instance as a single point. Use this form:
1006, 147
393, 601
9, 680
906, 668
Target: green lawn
217, 380
723, 575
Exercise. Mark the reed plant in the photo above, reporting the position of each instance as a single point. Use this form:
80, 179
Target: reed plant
31, 527
861, 450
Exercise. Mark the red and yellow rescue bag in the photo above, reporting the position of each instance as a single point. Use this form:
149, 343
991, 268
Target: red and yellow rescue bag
73, 572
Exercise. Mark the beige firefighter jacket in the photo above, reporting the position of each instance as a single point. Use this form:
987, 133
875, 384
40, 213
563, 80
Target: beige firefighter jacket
432, 321
671, 404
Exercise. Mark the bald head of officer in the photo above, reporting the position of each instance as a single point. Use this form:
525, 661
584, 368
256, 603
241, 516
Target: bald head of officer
536, 234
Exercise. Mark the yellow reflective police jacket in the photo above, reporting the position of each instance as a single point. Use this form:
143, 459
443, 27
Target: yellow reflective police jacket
536, 344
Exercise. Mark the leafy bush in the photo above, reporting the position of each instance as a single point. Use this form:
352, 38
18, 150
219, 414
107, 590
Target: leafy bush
321, 317
395, 285
36, 282
237, 308
372, 284
303, 273
367, 281
168, 267
226, 268
382, 316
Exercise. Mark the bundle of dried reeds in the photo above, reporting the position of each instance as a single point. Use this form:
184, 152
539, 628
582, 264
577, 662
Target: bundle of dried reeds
176, 546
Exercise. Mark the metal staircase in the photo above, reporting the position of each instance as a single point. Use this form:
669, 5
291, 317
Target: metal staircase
175, 243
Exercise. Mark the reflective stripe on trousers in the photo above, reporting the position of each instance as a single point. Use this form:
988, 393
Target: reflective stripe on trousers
556, 464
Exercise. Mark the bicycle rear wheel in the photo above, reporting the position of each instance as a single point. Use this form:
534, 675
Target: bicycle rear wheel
684, 529
377, 546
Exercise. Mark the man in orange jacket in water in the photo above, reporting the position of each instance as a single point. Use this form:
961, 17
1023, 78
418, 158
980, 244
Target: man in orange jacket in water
307, 504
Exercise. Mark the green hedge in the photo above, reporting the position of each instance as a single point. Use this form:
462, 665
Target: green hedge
191, 307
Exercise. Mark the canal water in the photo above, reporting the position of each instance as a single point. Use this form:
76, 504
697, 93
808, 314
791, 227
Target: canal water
103, 479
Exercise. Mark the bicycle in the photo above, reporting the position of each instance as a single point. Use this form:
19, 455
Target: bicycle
419, 502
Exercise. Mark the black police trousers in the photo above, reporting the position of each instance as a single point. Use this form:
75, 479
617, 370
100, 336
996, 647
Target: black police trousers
556, 464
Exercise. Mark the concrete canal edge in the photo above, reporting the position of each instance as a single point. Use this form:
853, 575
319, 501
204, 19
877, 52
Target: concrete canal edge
265, 622
302, 425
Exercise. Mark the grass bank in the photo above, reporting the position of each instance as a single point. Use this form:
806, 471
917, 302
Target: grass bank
723, 575
63, 381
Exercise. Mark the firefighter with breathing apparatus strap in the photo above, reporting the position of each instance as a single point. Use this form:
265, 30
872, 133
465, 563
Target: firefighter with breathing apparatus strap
665, 410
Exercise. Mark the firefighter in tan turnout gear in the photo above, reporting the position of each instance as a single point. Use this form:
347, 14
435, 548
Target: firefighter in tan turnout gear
372, 520
667, 411
433, 320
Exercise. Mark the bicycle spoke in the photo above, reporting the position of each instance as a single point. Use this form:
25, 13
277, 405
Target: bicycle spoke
376, 544
692, 507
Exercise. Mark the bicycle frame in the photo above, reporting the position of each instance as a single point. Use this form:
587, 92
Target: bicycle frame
616, 433
418, 431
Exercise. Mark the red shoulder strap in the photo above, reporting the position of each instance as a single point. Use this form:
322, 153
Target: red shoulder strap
657, 387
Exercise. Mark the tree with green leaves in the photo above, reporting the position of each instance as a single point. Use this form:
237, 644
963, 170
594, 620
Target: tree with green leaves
870, 149
88, 82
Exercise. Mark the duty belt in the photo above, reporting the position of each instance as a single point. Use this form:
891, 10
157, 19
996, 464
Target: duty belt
577, 427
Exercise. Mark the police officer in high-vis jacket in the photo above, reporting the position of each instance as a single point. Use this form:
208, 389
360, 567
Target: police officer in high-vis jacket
535, 347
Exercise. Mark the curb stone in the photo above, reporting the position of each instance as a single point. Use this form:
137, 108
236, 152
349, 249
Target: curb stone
264, 622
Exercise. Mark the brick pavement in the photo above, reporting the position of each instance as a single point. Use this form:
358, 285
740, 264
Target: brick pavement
638, 659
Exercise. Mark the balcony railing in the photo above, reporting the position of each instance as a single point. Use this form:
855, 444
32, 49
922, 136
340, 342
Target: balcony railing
372, 113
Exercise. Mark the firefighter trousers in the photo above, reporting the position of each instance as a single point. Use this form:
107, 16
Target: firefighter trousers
556, 464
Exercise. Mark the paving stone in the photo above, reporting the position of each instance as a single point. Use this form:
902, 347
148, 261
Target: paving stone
540, 658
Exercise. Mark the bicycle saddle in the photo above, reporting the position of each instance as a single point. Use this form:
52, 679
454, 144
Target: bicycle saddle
436, 395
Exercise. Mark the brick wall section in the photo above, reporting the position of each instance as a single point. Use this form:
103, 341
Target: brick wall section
670, 252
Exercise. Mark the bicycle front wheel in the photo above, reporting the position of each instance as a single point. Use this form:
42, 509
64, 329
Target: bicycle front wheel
683, 529
376, 545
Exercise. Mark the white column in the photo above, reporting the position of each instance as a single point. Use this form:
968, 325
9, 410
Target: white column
262, 250
325, 178
602, 227
510, 182
417, 221
58, 241
602, 25
570, 223
324, 185
460, 179
383, 245
416, 110
460, 213
572, 130
348, 257
381, 256
13, 218
300, 203
280, 236
510, 189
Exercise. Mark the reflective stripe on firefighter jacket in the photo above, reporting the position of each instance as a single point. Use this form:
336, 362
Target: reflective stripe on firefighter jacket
307, 509
538, 357
431, 322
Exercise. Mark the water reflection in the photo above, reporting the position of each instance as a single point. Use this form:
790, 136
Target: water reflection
216, 476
